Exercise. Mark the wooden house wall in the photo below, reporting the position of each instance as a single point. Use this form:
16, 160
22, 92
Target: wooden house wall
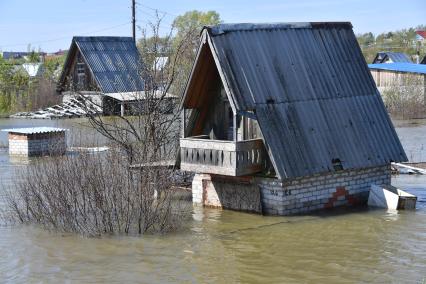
390, 78
72, 83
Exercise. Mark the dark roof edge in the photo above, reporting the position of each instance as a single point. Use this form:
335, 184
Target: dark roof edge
102, 38
224, 28
61, 81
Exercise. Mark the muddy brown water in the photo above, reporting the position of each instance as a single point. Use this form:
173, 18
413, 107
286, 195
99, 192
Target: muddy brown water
361, 245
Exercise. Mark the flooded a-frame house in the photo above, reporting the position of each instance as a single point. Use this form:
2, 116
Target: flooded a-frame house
284, 119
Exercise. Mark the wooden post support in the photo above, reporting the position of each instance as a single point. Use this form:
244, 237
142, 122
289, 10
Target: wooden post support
235, 126
122, 109
183, 123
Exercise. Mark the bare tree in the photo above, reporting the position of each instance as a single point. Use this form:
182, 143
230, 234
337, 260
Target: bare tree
150, 134
94, 195
405, 97
129, 189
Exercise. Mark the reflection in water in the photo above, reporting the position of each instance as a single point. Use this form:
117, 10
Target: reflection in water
19, 160
220, 246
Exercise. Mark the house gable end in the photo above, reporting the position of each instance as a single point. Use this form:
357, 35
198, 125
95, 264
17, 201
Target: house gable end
68, 75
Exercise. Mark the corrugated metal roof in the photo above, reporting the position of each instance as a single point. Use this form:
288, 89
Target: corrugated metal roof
421, 34
391, 57
13, 54
114, 62
34, 130
311, 91
400, 67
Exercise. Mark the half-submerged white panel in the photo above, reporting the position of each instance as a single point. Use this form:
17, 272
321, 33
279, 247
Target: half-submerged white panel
390, 197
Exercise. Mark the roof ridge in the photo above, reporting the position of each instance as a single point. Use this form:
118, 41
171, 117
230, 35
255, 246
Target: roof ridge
232, 27
102, 38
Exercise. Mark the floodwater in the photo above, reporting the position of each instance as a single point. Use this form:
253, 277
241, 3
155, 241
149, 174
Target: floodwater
216, 246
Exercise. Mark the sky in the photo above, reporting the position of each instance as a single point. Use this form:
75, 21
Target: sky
49, 25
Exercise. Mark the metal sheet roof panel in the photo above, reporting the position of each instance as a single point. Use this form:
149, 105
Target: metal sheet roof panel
399, 67
284, 64
114, 62
391, 57
34, 130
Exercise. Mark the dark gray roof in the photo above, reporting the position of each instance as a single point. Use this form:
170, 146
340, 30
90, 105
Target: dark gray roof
311, 91
13, 54
395, 57
113, 61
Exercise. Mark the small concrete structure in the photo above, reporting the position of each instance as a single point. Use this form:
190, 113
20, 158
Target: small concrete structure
36, 141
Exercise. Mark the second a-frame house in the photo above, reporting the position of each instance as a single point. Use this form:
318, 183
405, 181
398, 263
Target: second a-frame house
105, 69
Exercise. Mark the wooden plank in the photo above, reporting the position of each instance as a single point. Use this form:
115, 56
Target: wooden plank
208, 144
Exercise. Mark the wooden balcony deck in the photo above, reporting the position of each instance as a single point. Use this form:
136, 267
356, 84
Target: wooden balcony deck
202, 155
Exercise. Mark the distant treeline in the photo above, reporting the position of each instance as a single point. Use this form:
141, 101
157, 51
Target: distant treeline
20, 92
397, 41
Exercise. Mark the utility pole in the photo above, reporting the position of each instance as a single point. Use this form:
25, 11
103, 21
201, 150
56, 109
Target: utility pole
134, 19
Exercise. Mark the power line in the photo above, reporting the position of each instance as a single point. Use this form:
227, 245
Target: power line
157, 10
167, 25
62, 38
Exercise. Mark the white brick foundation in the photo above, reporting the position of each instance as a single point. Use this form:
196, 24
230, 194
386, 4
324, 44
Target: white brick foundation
290, 196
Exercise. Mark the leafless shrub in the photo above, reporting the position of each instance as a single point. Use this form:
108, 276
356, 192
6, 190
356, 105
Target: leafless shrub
94, 195
405, 98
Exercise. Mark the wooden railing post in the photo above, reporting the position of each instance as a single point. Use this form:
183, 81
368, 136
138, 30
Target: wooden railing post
234, 123
183, 123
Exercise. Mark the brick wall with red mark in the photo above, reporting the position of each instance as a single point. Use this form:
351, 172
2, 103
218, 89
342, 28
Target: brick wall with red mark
341, 197
307, 194
291, 196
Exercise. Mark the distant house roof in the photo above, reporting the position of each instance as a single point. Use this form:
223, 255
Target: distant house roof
421, 34
33, 69
309, 88
391, 57
13, 54
113, 61
400, 67
34, 130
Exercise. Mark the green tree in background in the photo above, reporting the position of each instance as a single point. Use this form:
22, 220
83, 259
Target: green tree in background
182, 41
34, 57
366, 39
15, 88
403, 40
19, 92
193, 21
53, 67
188, 27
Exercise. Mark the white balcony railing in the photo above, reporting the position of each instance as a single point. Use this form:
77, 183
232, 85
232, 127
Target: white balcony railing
202, 155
